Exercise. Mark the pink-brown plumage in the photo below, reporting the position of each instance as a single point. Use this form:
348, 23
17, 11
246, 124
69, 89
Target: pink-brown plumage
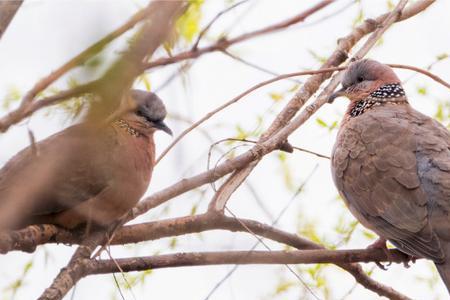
391, 165
85, 174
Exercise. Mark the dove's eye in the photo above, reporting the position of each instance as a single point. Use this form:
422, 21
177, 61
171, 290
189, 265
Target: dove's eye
360, 79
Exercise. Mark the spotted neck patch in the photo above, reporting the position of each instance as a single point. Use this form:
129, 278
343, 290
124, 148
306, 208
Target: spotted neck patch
127, 127
393, 90
389, 93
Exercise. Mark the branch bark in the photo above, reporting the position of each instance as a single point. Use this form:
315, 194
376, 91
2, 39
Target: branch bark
226, 43
8, 10
242, 258
195, 224
311, 85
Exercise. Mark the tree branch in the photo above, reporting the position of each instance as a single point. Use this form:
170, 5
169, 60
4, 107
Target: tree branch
8, 10
213, 20
105, 266
200, 223
28, 104
311, 85
225, 43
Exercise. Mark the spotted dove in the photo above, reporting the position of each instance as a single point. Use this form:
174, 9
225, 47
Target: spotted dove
85, 174
391, 165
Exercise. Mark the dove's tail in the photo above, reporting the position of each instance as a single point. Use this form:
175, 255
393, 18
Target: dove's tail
444, 271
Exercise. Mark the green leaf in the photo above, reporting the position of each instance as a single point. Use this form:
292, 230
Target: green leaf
276, 96
321, 123
146, 80
187, 25
439, 115
390, 5
442, 56
194, 209
173, 243
359, 18
422, 90
13, 95
369, 235
284, 286
72, 82
321, 59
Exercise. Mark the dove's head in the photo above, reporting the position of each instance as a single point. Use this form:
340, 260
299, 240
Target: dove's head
149, 110
368, 77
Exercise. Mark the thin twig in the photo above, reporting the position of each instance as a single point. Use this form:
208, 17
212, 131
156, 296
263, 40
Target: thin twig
255, 66
255, 142
422, 71
237, 98
208, 26
274, 222
225, 43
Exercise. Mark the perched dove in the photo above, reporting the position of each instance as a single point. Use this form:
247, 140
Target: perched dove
391, 165
85, 173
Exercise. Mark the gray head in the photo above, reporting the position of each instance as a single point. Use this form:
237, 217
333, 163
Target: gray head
364, 77
151, 109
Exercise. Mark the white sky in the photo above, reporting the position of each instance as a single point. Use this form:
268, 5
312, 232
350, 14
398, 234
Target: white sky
47, 33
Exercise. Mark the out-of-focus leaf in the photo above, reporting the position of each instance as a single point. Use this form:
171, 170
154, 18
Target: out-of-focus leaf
286, 170
276, 96
439, 115
390, 5
188, 25
321, 123
94, 61
321, 59
72, 82
442, 56
422, 90
173, 243
13, 95
284, 286
194, 209
359, 18
369, 235
146, 80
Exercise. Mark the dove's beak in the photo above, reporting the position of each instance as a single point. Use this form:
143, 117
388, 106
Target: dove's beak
162, 126
339, 93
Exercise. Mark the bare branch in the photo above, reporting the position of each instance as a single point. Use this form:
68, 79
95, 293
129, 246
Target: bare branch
234, 181
422, 71
224, 43
8, 10
27, 108
236, 99
208, 26
200, 223
244, 258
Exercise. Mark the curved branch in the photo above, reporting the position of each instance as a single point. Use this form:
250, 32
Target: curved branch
422, 71
239, 97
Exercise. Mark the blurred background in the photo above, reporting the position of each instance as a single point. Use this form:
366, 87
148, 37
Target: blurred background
295, 188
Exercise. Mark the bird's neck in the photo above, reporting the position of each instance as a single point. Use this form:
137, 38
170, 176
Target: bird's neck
121, 123
388, 93
134, 128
